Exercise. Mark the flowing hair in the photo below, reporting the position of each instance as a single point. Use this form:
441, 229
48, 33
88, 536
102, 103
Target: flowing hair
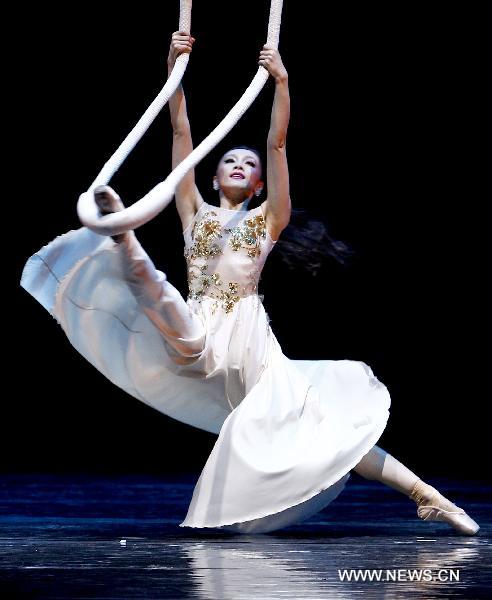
307, 243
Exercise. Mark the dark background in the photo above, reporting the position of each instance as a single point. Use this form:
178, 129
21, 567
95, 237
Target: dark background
379, 145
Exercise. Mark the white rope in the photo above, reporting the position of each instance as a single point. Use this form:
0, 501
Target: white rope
161, 195
135, 135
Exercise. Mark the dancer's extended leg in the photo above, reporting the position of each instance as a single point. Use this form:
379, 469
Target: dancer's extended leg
160, 300
378, 465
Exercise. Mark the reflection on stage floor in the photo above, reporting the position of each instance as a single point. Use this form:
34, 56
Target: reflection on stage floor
76, 536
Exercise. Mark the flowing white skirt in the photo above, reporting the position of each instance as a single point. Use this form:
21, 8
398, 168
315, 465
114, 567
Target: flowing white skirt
289, 431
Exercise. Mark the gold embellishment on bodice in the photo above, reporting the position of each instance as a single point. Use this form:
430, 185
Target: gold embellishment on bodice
204, 233
205, 247
250, 233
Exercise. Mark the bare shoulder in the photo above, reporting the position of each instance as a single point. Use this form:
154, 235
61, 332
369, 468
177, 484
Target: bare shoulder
274, 224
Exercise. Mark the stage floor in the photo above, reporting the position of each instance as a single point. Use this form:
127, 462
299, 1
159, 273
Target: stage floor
73, 536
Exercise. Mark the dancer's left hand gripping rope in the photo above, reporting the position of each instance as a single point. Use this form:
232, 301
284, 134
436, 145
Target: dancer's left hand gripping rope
161, 195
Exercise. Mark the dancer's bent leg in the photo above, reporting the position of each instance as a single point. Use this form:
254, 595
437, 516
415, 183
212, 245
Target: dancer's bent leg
378, 465
159, 299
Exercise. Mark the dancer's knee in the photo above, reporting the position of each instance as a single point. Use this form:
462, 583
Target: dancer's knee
172, 316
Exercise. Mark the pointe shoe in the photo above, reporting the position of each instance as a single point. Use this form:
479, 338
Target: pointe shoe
433, 506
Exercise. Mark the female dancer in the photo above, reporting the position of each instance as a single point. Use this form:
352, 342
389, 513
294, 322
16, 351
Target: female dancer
289, 431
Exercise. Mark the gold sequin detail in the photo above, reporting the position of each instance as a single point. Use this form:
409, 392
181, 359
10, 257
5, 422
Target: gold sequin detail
205, 234
248, 236
200, 282
209, 285
226, 299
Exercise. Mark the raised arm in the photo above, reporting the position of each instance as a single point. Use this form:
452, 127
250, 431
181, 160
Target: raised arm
277, 206
188, 198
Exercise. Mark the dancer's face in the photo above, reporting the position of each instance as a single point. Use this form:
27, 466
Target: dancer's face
239, 170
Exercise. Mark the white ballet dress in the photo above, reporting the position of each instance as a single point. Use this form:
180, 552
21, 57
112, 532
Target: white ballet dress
289, 431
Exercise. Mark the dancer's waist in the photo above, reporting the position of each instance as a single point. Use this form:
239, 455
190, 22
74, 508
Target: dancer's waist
225, 300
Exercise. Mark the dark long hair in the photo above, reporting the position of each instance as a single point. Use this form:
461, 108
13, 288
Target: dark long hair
307, 243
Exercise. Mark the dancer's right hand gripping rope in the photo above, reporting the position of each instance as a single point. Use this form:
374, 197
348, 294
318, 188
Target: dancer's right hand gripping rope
180, 42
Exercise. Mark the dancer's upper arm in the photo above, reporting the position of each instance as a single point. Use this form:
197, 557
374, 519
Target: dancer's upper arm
188, 198
277, 206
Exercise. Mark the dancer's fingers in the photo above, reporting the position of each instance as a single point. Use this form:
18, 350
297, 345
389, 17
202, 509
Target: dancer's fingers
182, 37
179, 48
270, 59
182, 41
183, 47
183, 33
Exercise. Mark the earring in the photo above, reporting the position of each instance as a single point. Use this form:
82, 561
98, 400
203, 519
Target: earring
258, 192
216, 185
